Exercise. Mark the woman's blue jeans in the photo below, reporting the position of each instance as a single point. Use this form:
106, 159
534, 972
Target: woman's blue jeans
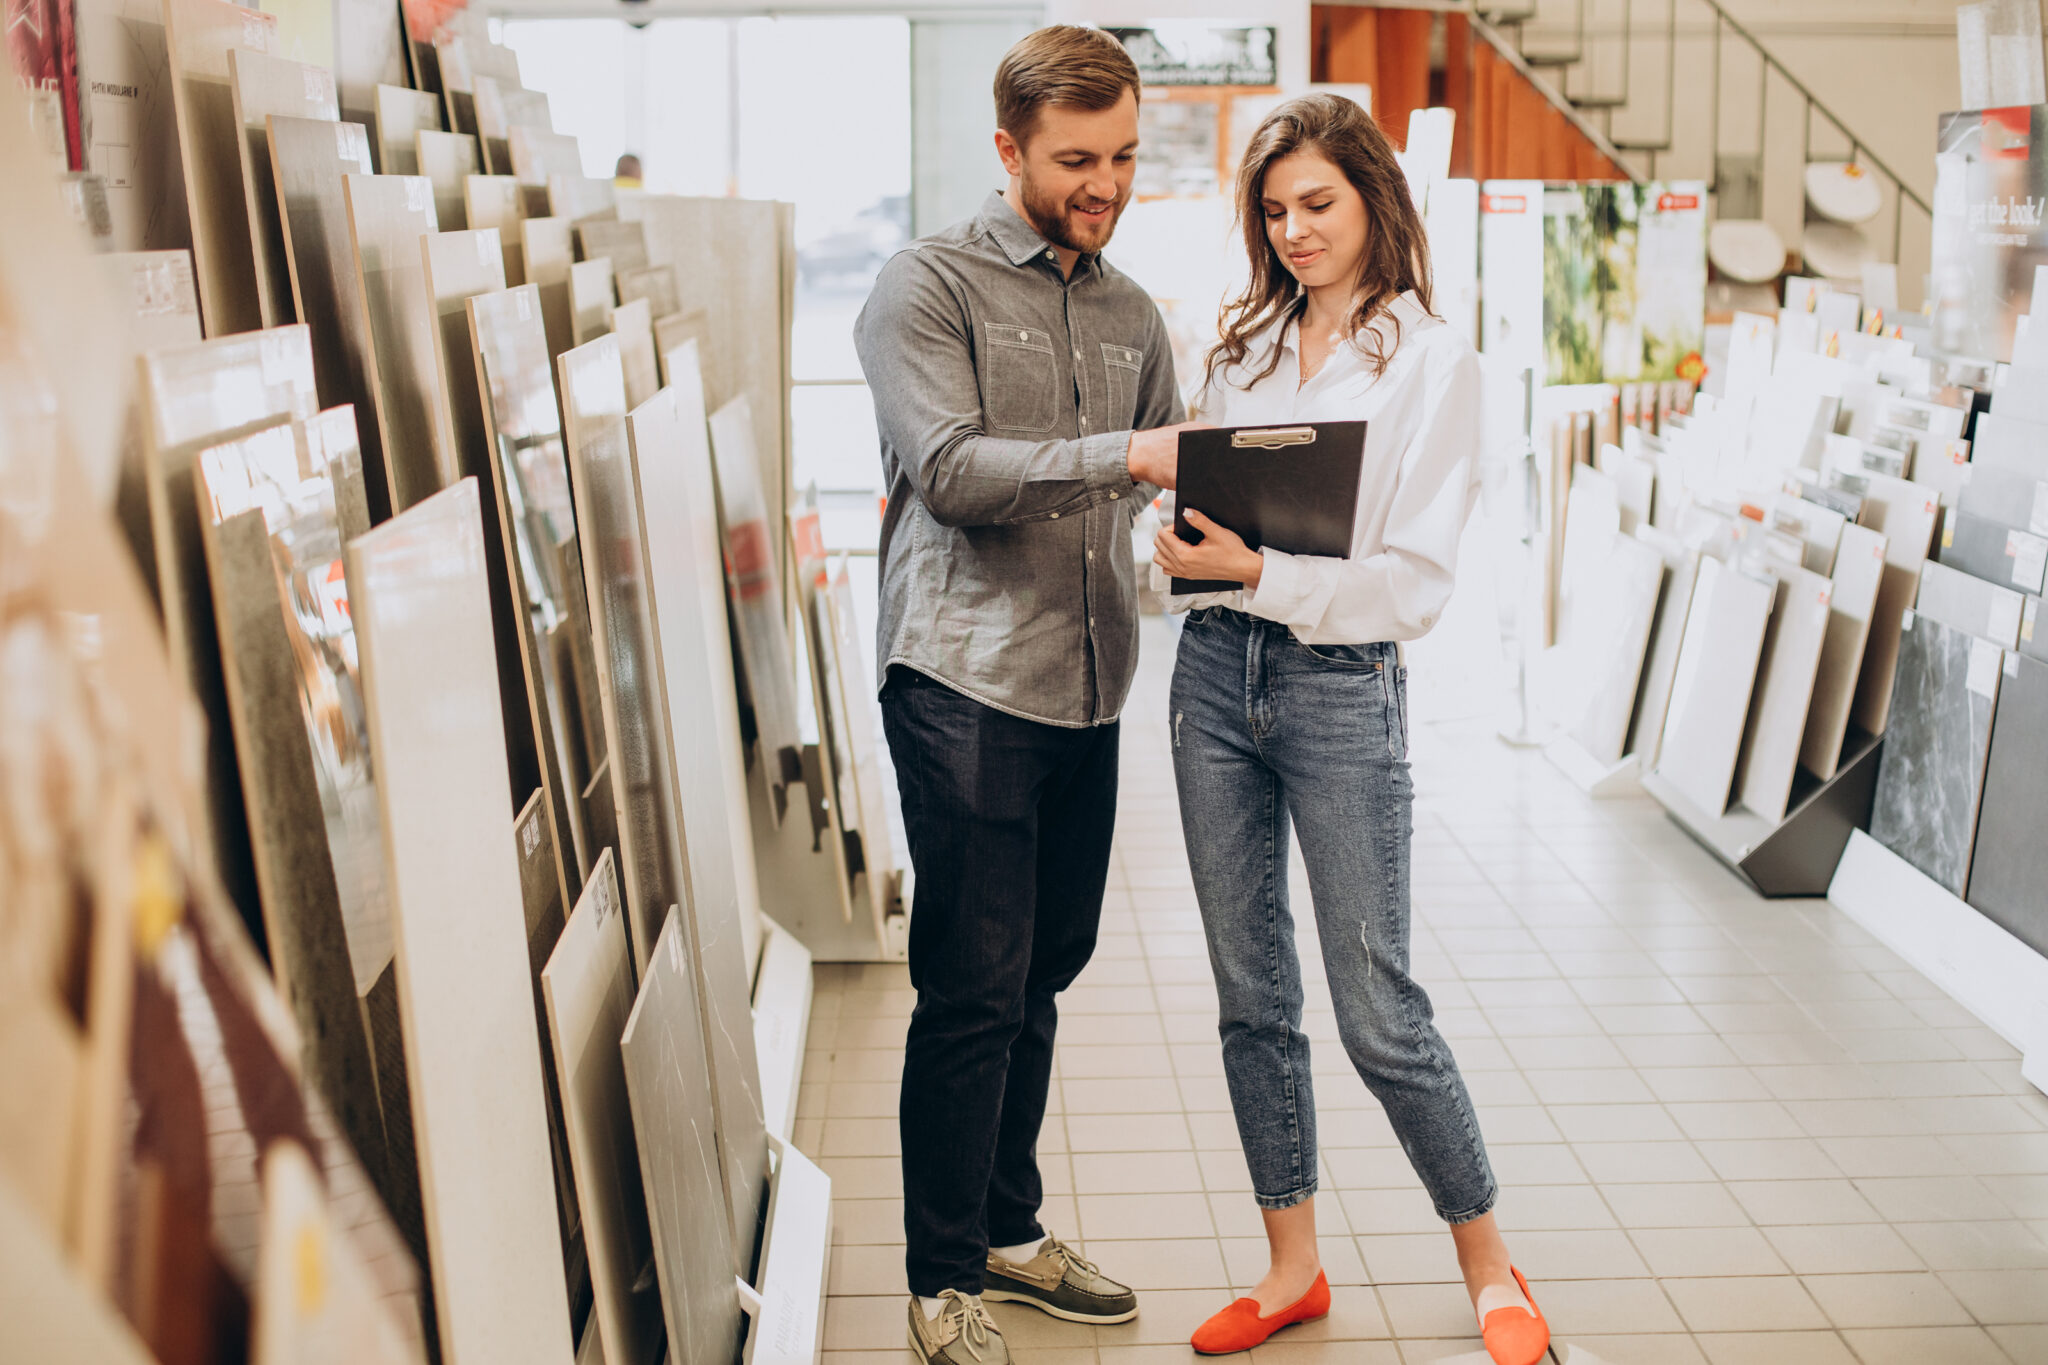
1268, 731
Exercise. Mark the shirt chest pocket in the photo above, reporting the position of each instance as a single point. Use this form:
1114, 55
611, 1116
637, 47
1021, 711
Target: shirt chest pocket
1020, 379
1123, 364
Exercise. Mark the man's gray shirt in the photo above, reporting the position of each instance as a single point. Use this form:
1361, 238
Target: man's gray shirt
1005, 396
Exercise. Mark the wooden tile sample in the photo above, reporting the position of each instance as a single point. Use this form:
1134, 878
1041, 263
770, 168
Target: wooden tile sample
634, 711
1717, 668
369, 51
1907, 514
582, 199
451, 56
422, 611
633, 326
458, 266
1994, 552
538, 154
2010, 869
1623, 599
199, 34
656, 284
309, 159
448, 160
1930, 777
545, 242
531, 512
1784, 692
624, 243
675, 330
492, 124
401, 115
1859, 571
676, 1134
496, 201
588, 983
388, 215
755, 589
679, 535
262, 86
591, 299
857, 679
314, 1297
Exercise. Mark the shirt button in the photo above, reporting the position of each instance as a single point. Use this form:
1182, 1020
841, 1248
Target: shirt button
1023, 336
1091, 623
1051, 255
1055, 516
1114, 496
1428, 621
1091, 556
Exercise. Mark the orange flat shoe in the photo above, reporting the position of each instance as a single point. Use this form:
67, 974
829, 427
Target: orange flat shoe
1515, 1337
1239, 1327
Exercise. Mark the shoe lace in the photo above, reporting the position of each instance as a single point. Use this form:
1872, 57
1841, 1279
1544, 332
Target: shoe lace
975, 1322
1072, 1259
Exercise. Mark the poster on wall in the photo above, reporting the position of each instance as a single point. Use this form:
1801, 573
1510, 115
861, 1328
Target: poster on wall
1179, 138
1990, 191
1195, 52
1624, 282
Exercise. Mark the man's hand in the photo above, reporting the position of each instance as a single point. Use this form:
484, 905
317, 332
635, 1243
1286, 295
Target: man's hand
1155, 454
1221, 555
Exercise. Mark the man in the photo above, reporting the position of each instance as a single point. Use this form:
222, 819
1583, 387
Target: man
1020, 387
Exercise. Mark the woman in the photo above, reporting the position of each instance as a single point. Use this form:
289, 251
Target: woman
1289, 703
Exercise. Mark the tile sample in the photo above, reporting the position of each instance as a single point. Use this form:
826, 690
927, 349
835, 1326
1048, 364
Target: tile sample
422, 611
2011, 864
458, 266
828, 782
1819, 530
314, 1298
1623, 600
154, 290
496, 201
1859, 570
369, 51
452, 57
492, 124
1931, 775
260, 87
675, 1131
400, 115
1667, 632
754, 586
2007, 497
388, 215
1784, 692
857, 701
588, 984
540, 891
1717, 668
624, 243
582, 199
1970, 604
1906, 513
655, 283
199, 34
309, 159
545, 242
635, 715
591, 299
1994, 552
538, 154
679, 535
2010, 443
536, 526
132, 137
448, 160
633, 325
673, 331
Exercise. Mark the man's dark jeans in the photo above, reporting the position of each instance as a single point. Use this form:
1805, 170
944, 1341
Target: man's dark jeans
1010, 823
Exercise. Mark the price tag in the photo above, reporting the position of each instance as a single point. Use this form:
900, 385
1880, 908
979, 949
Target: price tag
1984, 662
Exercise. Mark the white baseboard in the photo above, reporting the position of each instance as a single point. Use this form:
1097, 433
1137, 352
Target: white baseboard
1989, 972
1591, 776
788, 1303
782, 1017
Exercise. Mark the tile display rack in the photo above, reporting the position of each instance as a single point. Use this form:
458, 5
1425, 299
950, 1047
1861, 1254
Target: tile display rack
1796, 856
788, 1310
1984, 968
797, 885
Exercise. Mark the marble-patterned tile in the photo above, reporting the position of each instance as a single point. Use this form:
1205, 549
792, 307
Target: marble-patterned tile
1931, 774
1995, 550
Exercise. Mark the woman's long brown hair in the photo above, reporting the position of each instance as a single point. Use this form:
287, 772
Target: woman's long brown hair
1396, 256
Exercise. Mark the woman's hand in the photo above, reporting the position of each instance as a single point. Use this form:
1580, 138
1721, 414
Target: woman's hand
1222, 554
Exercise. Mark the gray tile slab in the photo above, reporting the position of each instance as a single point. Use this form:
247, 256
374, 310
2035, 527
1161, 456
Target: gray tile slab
1931, 775
1993, 551
1970, 604
2009, 876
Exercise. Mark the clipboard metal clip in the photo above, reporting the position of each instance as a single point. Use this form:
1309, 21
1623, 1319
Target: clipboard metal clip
1272, 438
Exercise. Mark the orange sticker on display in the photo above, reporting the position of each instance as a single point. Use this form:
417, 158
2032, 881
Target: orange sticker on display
1673, 203
1504, 203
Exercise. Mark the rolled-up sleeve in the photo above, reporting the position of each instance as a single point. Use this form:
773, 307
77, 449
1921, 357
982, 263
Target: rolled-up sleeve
1397, 593
917, 352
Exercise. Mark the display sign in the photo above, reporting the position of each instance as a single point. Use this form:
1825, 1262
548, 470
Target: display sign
1624, 282
1198, 53
1990, 193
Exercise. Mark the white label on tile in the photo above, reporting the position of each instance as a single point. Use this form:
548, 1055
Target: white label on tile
1984, 661
2012, 664
2037, 519
2029, 559
2004, 621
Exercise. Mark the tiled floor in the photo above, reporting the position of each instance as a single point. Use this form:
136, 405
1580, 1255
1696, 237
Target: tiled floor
1729, 1130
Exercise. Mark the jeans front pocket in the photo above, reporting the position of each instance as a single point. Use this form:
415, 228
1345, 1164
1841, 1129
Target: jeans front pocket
1340, 656
1020, 378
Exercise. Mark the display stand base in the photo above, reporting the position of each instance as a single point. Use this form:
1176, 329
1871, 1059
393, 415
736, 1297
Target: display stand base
1989, 972
1797, 855
788, 1306
782, 1016
1596, 779
799, 888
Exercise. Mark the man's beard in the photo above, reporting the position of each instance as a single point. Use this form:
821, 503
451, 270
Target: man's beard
1049, 216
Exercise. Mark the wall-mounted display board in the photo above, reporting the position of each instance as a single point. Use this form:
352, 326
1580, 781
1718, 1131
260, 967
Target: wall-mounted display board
401, 115
309, 158
369, 51
496, 201
387, 216
679, 538
422, 612
1203, 54
262, 86
448, 160
588, 984
132, 134
536, 524
200, 34
591, 299
1624, 282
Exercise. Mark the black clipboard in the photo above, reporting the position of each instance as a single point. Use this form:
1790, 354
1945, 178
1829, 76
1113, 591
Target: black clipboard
1294, 488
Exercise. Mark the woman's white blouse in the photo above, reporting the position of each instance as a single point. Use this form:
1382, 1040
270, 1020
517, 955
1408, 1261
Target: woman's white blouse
1417, 486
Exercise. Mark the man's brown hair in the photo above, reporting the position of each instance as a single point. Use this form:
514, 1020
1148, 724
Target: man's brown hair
1082, 68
